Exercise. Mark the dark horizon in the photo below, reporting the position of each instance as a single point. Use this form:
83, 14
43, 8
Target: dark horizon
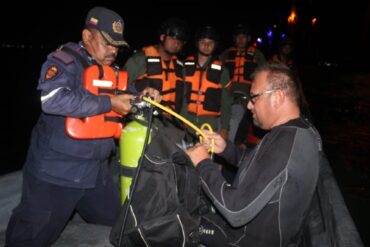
341, 32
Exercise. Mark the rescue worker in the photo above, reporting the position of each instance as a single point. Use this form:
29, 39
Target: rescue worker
241, 60
285, 54
269, 199
208, 100
62, 174
157, 65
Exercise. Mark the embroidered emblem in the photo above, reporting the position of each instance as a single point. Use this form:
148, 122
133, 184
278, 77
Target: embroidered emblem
117, 27
52, 72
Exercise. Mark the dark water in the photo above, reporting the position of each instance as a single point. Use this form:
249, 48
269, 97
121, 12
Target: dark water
339, 101
20, 105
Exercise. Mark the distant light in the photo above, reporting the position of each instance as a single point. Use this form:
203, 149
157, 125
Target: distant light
275, 26
7, 45
314, 21
19, 46
269, 33
259, 40
283, 36
292, 19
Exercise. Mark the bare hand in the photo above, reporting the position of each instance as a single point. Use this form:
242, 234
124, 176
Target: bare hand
153, 93
121, 103
219, 141
197, 154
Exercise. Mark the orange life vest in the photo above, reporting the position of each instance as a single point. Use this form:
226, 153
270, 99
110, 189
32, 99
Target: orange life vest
206, 90
99, 80
168, 76
241, 65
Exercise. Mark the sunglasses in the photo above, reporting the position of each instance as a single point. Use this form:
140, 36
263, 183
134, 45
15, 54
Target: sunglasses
253, 97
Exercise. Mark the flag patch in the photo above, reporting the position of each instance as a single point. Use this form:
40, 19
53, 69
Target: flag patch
52, 72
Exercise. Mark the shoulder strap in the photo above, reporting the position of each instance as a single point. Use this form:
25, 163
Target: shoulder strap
77, 55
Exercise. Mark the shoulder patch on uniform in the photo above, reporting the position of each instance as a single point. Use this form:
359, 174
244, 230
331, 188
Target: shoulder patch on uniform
63, 57
51, 72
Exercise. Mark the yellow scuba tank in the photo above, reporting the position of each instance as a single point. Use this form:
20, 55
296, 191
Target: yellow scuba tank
131, 145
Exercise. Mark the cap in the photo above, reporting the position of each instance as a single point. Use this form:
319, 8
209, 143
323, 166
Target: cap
109, 23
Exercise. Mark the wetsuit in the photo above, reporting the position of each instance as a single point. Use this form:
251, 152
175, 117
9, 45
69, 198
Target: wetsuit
267, 202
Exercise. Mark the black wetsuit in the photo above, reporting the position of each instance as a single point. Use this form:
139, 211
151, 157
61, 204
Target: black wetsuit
268, 201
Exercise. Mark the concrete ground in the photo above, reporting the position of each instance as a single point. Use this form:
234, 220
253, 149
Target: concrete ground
76, 234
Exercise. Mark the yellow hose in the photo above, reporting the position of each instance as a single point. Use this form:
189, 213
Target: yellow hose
209, 127
166, 109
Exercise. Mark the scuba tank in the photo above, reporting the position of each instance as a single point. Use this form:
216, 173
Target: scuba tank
131, 145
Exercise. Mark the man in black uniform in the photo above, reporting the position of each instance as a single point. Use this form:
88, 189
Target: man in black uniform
267, 203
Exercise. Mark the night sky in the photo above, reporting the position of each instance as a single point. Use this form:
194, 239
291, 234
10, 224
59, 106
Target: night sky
339, 24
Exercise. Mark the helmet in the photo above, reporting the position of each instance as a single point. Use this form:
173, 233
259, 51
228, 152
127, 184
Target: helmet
241, 29
175, 28
208, 32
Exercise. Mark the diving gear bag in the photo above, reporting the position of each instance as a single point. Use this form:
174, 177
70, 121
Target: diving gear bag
165, 205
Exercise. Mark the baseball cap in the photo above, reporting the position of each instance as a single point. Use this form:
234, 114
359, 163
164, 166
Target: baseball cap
109, 23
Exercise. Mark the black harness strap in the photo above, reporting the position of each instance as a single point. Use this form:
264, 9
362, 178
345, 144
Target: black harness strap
172, 90
128, 171
113, 119
111, 91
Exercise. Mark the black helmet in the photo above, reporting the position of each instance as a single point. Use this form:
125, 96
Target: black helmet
207, 32
241, 29
175, 28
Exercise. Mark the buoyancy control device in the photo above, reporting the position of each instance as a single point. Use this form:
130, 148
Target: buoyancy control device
161, 206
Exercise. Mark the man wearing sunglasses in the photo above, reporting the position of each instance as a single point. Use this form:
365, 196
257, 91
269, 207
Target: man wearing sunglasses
268, 201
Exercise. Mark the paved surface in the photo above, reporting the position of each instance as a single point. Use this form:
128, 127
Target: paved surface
77, 233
